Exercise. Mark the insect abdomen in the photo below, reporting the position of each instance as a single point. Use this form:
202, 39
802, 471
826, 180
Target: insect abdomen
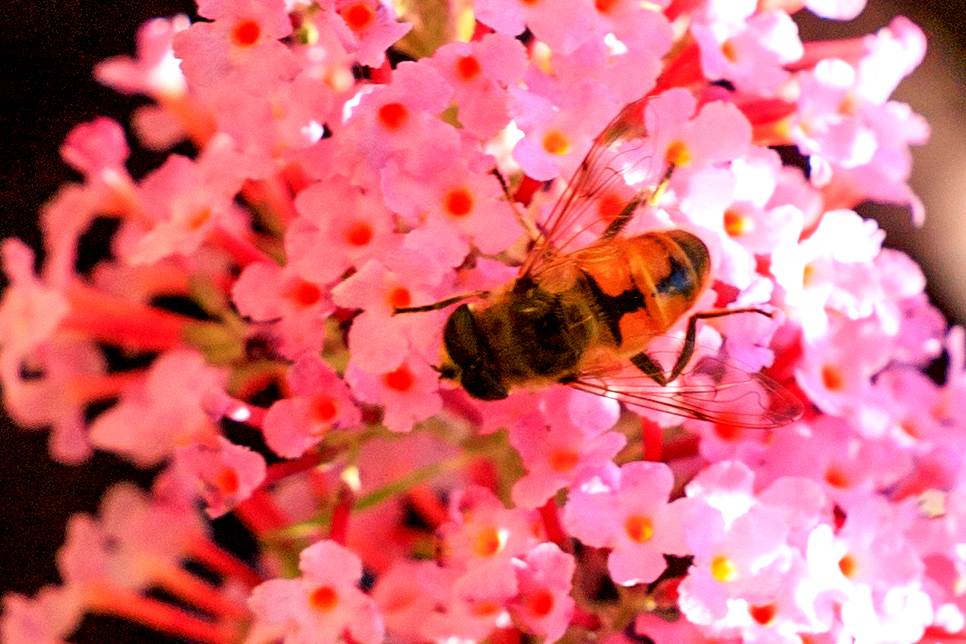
642, 285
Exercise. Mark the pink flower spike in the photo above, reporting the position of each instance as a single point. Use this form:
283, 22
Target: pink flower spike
224, 474
322, 603
320, 402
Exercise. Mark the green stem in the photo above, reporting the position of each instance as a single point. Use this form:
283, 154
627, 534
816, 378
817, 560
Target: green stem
414, 478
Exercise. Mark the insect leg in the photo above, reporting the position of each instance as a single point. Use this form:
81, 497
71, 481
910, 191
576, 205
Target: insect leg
653, 370
442, 304
527, 225
621, 220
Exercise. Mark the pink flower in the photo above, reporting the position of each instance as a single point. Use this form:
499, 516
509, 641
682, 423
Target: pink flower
319, 402
223, 474
558, 136
322, 603
555, 455
872, 571
479, 73
164, 410
295, 309
398, 121
563, 26
544, 605
131, 544
365, 27
627, 511
184, 201
47, 618
409, 594
408, 392
155, 72
242, 42
340, 226
751, 54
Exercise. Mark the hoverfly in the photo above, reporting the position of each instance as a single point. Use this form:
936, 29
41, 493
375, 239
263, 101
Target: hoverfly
586, 313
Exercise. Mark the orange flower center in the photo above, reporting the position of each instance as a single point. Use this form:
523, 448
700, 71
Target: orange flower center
540, 603
304, 293
468, 68
639, 529
360, 233
324, 409
488, 541
763, 614
848, 565
227, 481
246, 33
199, 219
393, 115
736, 224
323, 599
399, 297
555, 142
678, 154
723, 568
458, 202
836, 477
610, 205
402, 379
563, 460
832, 378
358, 16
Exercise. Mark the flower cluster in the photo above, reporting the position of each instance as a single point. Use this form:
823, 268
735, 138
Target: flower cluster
243, 333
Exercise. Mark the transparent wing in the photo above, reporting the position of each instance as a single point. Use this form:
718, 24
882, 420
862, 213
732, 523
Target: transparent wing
622, 155
712, 389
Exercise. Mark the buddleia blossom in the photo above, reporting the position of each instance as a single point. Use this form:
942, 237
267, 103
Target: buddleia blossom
263, 333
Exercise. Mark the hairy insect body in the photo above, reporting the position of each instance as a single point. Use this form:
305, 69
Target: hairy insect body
599, 304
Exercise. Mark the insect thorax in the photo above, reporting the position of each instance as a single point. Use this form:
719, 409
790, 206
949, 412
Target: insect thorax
526, 336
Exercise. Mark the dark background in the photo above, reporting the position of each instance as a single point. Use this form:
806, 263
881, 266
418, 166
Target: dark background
46, 56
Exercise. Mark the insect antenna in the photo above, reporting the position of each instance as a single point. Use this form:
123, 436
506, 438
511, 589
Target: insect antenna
442, 304
527, 225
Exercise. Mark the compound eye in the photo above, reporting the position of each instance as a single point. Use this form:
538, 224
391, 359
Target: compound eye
483, 385
464, 343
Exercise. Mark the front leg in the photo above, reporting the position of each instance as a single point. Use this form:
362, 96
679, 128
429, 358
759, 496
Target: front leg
655, 372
